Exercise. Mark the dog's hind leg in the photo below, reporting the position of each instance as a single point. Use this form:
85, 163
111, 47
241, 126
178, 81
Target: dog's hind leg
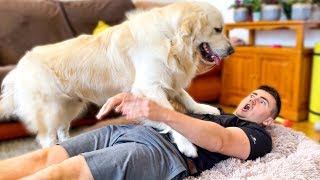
47, 122
58, 122
53, 118
70, 111
47, 136
35, 119
63, 132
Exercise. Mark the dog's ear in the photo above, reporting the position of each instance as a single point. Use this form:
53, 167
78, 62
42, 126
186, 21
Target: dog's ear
186, 31
186, 28
191, 26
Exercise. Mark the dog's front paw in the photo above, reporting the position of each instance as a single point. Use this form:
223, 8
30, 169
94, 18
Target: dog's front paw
206, 109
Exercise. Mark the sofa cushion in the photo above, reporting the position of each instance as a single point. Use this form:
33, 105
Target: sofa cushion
83, 15
25, 24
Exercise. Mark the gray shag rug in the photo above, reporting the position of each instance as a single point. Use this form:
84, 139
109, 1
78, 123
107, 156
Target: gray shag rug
20, 146
294, 156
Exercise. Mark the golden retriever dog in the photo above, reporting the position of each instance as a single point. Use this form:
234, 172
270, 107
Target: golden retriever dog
155, 53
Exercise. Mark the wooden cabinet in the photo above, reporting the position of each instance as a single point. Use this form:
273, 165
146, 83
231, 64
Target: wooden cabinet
288, 69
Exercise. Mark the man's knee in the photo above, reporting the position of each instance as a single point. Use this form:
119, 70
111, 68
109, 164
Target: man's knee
55, 154
75, 168
71, 168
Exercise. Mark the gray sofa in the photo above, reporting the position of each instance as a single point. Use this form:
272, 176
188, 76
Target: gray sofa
28, 23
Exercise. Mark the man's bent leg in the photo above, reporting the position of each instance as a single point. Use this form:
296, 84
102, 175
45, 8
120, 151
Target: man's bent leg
73, 168
30, 163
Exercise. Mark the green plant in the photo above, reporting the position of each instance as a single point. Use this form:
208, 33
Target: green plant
241, 3
256, 5
270, 1
302, 1
237, 4
287, 4
290, 2
316, 2
253, 5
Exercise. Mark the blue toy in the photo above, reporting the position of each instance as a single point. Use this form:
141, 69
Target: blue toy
317, 126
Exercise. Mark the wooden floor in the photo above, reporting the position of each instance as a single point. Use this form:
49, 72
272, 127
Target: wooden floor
304, 126
307, 128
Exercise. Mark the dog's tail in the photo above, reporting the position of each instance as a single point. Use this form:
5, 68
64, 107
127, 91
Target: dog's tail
7, 106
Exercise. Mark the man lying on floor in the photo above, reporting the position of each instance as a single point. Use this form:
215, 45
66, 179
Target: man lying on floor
141, 152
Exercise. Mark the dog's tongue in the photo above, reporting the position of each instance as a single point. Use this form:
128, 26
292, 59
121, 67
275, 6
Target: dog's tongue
217, 60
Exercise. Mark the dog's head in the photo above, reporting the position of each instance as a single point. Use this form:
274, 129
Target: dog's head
201, 28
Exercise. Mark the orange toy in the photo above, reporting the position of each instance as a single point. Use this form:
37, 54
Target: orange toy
284, 122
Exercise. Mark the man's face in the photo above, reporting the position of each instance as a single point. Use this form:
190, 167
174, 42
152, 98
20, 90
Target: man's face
257, 107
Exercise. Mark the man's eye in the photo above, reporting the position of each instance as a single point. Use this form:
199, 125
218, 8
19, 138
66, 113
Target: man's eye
251, 96
263, 102
218, 30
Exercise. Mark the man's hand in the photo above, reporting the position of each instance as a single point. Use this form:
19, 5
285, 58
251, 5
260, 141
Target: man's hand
133, 107
114, 102
142, 107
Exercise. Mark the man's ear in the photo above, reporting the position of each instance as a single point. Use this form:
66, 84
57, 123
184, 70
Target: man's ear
269, 121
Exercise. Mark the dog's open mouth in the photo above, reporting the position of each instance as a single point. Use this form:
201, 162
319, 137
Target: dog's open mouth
208, 54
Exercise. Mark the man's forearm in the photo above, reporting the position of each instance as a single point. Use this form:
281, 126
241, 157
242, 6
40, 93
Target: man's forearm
205, 134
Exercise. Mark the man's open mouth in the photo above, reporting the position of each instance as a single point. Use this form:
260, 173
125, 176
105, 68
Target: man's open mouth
208, 55
247, 107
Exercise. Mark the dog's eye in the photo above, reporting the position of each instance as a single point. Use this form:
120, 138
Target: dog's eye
218, 30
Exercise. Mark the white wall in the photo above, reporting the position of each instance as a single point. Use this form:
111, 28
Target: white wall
282, 37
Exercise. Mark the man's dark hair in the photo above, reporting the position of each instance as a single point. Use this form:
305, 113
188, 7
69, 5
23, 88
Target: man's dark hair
276, 96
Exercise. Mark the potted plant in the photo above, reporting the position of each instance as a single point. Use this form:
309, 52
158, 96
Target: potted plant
271, 10
315, 15
241, 11
256, 9
301, 10
287, 6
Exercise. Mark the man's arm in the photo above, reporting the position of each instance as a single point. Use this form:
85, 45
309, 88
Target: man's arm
231, 141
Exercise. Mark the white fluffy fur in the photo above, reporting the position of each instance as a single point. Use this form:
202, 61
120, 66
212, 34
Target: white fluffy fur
153, 53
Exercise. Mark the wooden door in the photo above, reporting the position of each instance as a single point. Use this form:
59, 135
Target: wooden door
278, 71
240, 77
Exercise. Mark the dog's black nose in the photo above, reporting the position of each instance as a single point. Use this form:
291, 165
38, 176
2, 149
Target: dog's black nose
230, 50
